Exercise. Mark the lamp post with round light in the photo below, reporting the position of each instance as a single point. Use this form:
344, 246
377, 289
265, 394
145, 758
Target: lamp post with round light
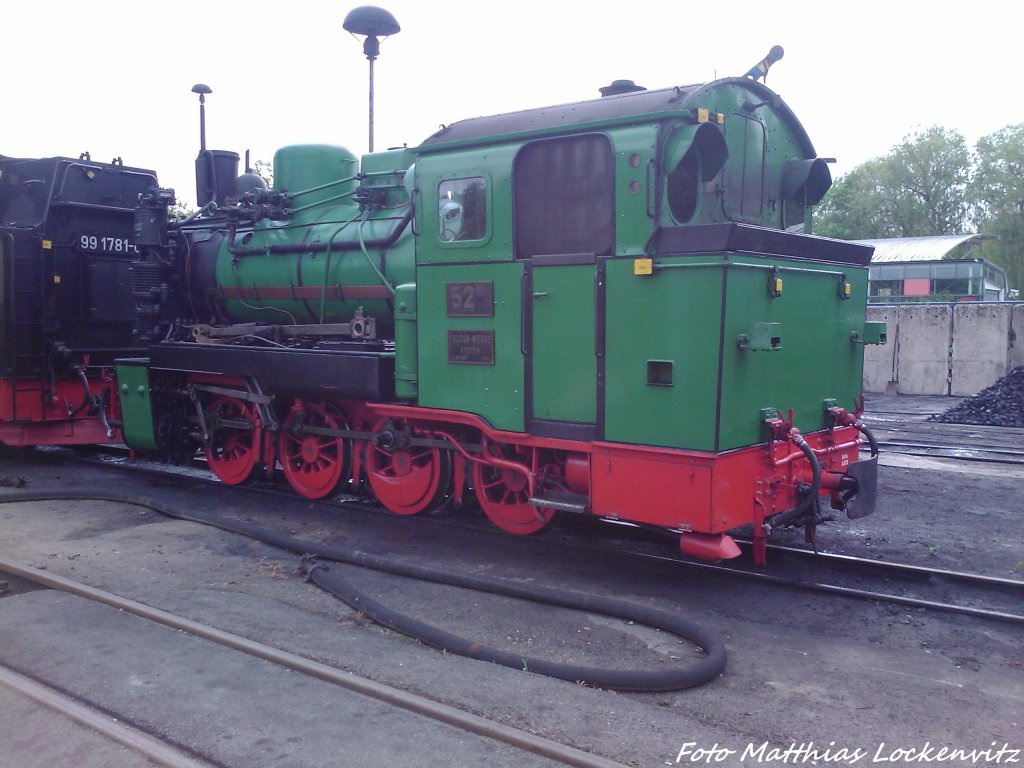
374, 23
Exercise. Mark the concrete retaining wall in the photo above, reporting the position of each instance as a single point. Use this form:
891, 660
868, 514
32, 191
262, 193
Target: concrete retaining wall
880, 359
944, 349
1017, 326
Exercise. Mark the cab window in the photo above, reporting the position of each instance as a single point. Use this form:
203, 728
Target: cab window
565, 197
462, 209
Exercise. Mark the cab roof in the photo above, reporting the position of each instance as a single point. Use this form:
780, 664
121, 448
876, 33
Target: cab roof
605, 111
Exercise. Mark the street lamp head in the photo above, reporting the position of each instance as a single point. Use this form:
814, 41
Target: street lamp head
373, 22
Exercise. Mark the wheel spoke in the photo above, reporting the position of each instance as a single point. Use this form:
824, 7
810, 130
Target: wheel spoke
496, 483
424, 459
504, 499
314, 465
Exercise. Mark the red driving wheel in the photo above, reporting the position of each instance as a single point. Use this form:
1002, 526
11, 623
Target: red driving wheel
233, 450
410, 479
314, 465
503, 494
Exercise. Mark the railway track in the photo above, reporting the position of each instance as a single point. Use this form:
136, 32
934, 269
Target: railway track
949, 591
146, 745
903, 428
837, 578
915, 586
910, 575
166, 754
933, 443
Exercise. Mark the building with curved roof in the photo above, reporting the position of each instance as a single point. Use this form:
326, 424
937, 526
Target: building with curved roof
935, 268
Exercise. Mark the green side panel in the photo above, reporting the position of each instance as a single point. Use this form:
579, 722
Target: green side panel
136, 412
814, 358
492, 390
662, 348
564, 358
634, 186
406, 354
492, 168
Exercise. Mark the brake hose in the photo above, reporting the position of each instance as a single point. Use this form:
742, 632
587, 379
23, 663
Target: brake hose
702, 671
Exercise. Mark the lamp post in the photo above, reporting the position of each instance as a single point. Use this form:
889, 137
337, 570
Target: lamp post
372, 22
202, 90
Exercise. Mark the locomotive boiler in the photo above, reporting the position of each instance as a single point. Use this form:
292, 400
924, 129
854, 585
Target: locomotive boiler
610, 308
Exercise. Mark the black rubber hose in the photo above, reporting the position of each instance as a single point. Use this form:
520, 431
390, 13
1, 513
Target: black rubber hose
703, 671
796, 512
86, 395
867, 433
620, 680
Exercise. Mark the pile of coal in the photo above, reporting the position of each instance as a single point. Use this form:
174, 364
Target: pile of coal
1001, 405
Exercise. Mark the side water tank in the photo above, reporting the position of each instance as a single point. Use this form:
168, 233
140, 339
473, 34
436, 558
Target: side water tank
315, 173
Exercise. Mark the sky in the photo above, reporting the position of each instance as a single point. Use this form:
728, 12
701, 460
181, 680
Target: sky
114, 78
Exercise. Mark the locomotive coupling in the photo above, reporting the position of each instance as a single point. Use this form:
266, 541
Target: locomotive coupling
852, 484
858, 488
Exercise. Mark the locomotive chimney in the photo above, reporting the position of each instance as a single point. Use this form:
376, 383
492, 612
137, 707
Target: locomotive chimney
215, 169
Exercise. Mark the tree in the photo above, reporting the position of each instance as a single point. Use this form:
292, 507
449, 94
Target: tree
933, 172
930, 184
998, 189
857, 205
181, 210
265, 170
922, 187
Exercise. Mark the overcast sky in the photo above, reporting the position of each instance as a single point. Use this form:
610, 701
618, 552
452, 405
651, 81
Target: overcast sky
114, 78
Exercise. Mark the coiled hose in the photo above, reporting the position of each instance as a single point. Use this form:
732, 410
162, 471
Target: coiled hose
702, 671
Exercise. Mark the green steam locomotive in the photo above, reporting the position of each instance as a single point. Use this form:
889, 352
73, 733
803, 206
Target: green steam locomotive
613, 308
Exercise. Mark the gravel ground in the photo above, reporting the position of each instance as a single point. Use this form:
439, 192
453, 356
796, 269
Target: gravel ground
843, 675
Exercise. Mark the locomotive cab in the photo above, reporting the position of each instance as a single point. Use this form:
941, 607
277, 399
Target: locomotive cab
647, 283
